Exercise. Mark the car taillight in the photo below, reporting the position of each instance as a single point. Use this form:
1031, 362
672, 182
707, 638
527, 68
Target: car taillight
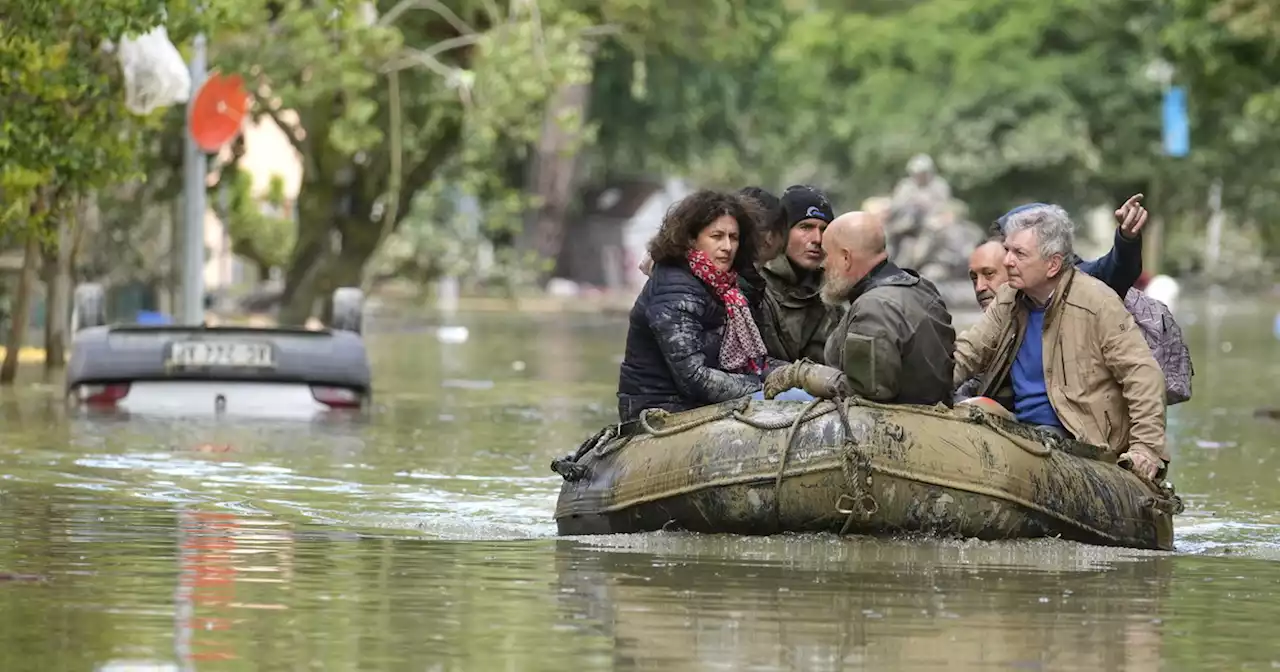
336, 397
102, 394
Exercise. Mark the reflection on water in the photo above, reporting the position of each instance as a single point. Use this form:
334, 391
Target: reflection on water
422, 539
826, 604
217, 555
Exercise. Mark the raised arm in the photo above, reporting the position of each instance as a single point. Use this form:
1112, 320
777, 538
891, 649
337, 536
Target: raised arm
1120, 267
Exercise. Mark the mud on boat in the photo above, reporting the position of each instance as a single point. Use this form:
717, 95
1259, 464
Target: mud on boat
855, 467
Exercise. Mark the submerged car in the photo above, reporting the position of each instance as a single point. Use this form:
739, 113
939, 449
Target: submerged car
161, 369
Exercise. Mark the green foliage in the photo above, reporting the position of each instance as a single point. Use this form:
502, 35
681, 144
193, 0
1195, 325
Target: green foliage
1013, 98
362, 147
518, 68
322, 60
65, 128
1016, 100
438, 238
133, 241
258, 229
1224, 53
681, 98
496, 100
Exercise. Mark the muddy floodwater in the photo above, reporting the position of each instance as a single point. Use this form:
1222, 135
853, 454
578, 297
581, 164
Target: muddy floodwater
422, 539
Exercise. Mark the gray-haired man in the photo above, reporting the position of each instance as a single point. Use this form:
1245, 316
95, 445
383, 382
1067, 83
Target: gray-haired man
1075, 359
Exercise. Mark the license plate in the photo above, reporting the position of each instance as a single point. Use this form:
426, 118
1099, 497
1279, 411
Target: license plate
221, 354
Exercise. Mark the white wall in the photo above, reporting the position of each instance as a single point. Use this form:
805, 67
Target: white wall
645, 224
268, 152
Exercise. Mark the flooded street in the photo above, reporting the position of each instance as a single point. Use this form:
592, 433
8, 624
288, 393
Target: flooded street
422, 539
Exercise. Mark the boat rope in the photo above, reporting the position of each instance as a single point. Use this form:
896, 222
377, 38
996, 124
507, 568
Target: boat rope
786, 450
684, 427
994, 493
809, 413
863, 504
569, 467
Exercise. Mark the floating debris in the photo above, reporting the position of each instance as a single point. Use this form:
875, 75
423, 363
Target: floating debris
452, 334
467, 384
14, 576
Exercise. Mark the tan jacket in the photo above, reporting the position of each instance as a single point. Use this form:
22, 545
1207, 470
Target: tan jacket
1102, 380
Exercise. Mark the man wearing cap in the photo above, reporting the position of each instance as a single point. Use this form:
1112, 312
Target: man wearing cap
795, 321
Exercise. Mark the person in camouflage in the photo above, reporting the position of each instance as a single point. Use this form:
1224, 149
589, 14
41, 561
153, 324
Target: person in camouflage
922, 188
922, 226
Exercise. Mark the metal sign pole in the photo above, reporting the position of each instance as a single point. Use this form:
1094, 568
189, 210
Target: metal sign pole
195, 169
1213, 246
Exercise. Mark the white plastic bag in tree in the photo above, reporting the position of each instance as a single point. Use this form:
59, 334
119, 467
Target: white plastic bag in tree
154, 73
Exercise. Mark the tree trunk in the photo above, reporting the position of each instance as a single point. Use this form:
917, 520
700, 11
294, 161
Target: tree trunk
21, 307
89, 222
48, 276
343, 267
331, 252
300, 290
310, 252
58, 292
554, 173
329, 206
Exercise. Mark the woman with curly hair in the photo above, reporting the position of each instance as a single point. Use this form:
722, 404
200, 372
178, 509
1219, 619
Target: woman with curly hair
771, 240
692, 340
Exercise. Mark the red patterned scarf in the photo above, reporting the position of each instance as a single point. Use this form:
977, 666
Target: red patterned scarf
742, 349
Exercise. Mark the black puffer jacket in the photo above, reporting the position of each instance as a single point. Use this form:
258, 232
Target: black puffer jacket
673, 348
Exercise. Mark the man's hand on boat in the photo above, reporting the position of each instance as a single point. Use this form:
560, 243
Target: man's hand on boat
1141, 461
824, 382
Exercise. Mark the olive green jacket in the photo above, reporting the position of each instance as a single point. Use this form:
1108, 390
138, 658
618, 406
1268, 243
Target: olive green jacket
794, 322
895, 341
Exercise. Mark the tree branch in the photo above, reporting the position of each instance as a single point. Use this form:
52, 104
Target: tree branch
426, 169
439, 8
452, 43
299, 145
603, 30
411, 57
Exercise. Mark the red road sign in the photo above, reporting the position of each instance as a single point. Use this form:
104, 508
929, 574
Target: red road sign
218, 111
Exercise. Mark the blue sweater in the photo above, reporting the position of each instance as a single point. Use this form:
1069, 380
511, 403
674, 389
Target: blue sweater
1030, 396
